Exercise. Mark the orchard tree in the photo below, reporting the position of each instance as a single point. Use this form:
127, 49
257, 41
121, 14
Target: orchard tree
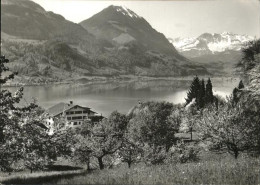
82, 151
107, 137
153, 127
11, 120
235, 129
192, 114
37, 150
131, 150
63, 142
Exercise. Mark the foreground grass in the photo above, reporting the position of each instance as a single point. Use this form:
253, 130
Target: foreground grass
213, 171
38, 177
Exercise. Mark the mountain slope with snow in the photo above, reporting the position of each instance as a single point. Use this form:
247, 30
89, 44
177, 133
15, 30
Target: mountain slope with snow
208, 43
142, 49
114, 21
219, 53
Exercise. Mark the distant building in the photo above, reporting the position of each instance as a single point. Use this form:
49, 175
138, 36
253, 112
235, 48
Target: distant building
75, 115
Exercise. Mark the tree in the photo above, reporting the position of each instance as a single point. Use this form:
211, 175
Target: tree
200, 99
37, 150
203, 96
22, 133
235, 97
107, 137
153, 127
209, 97
193, 91
249, 97
191, 115
82, 151
241, 85
230, 128
236, 92
33, 68
11, 120
249, 60
63, 142
130, 152
32, 143
46, 71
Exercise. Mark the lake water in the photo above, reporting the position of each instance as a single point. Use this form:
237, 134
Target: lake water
105, 97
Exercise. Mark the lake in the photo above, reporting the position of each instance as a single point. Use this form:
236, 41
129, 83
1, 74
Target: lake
105, 97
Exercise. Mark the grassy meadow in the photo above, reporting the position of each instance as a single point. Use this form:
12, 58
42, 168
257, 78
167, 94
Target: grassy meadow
215, 169
39, 177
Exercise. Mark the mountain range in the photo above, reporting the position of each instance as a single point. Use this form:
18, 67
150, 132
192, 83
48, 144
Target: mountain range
219, 53
43, 46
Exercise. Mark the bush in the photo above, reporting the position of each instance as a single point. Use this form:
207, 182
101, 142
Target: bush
183, 153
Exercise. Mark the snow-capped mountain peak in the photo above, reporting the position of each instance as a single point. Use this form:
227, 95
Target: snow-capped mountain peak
179, 42
125, 11
211, 43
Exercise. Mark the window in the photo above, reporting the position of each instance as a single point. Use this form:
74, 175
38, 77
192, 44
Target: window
78, 112
75, 123
68, 113
85, 111
69, 118
76, 117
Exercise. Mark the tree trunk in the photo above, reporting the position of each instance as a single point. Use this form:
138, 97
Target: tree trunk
236, 154
191, 133
31, 170
88, 165
100, 162
129, 164
216, 102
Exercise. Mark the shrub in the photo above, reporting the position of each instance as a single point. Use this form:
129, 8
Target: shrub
183, 153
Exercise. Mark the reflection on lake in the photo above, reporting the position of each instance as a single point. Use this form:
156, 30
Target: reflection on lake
105, 97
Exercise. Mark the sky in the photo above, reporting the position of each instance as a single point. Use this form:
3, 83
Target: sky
175, 18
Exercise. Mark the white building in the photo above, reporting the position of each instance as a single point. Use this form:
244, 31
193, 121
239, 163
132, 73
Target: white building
75, 115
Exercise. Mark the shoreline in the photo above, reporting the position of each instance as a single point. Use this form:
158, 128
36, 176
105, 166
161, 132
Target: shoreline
88, 80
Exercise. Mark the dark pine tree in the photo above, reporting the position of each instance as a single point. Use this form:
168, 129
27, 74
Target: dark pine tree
241, 85
209, 97
235, 95
193, 91
235, 92
200, 100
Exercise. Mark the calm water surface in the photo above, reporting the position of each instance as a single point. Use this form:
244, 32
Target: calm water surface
105, 97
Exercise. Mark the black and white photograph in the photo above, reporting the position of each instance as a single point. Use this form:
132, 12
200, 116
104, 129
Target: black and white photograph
121, 92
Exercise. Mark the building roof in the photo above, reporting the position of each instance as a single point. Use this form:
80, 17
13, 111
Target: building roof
62, 107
